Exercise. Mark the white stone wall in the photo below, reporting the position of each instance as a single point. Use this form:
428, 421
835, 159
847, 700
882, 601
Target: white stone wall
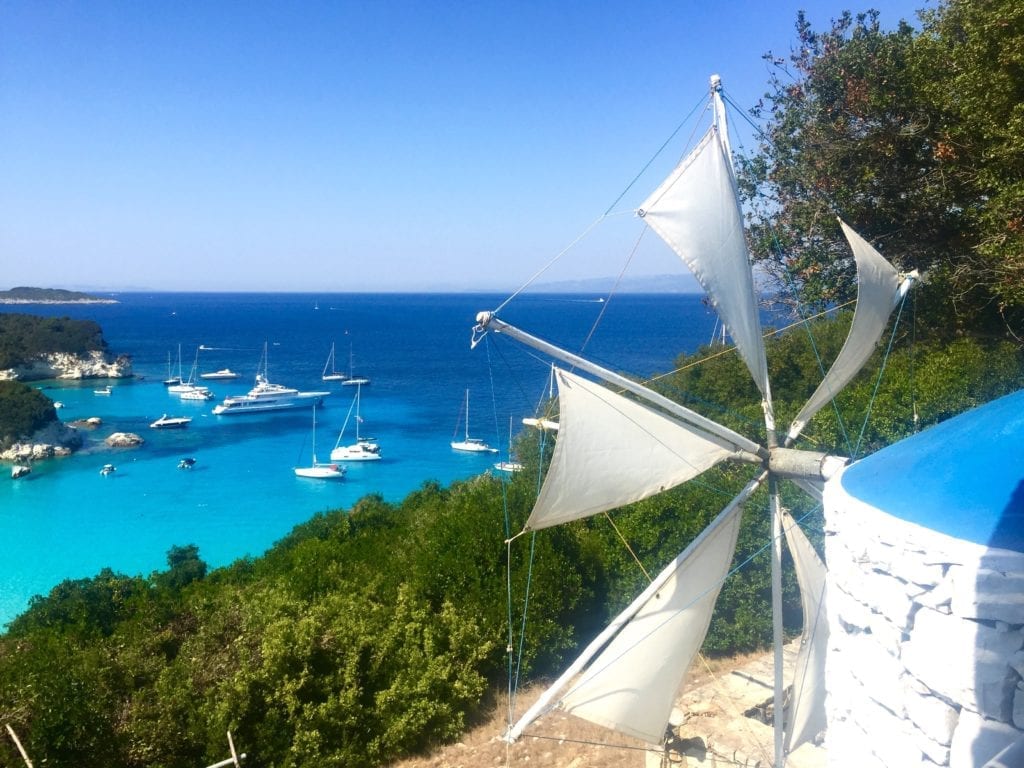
925, 656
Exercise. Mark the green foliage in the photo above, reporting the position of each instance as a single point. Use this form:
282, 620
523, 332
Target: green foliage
915, 140
29, 294
185, 567
23, 410
367, 635
974, 53
23, 337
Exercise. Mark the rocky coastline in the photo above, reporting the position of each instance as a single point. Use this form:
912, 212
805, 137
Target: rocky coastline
61, 365
57, 438
53, 440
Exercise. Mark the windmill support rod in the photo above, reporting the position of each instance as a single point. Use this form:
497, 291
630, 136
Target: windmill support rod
17, 743
746, 449
229, 761
804, 465
778, 699
548, 698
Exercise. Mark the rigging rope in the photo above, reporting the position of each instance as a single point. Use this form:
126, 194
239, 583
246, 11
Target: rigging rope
608, 211
878, 381
611, 294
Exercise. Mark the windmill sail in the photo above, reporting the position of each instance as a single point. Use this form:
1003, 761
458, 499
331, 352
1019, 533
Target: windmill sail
696, 211
635, 668
612, 451
806, 717
877, 294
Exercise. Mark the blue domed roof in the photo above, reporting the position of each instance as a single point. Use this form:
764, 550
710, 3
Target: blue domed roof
963, 477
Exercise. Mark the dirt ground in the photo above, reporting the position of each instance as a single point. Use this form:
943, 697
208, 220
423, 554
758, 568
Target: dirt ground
713, 731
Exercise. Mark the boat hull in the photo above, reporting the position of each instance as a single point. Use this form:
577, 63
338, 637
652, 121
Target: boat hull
171, 422
321, 472
357, 452
224, 373
472, 446
246, 404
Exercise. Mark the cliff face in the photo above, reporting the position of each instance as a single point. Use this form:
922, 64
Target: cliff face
61, 365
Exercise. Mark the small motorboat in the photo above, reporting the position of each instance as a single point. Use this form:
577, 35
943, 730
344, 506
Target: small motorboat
20, 470
187, 463
105, 391
171, 422
223, 373
108, 469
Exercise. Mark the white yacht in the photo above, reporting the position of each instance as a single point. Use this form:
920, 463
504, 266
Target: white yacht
171, 422
223, 373
267, 397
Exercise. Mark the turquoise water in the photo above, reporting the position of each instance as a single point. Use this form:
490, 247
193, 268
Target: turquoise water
66, 521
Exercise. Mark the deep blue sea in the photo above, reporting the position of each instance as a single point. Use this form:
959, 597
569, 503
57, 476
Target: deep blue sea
66, 521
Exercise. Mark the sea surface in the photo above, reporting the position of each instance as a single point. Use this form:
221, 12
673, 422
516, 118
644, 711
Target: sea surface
67, 521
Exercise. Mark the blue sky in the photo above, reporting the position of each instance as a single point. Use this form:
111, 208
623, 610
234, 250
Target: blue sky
342, 146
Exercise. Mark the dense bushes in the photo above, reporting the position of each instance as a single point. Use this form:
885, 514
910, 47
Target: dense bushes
374, 633
23, 337
23, 410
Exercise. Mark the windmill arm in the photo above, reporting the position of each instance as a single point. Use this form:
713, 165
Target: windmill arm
744, 449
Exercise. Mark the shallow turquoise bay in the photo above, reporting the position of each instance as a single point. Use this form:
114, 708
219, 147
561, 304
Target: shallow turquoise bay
67, 521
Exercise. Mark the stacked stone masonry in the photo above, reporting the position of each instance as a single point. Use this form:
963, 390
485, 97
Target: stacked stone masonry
926, 648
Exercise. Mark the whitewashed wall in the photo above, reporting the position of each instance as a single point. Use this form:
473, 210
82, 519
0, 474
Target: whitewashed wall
925, 658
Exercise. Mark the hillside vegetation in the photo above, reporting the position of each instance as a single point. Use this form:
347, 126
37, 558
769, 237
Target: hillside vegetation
23, 411
24, 337
380, 631
25, 295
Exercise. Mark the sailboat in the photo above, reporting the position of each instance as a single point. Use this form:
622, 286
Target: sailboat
318, 470
189, 389
628, 677
469, 444
364, 448
171, 378
353, 380
333, 374
509, 465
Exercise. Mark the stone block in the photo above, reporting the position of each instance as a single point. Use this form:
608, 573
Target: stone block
977, 740
880, 674
988, 594
964, 661
1018, 707
935, 717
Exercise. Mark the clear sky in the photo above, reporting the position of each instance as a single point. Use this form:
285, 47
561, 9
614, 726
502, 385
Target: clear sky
344, 146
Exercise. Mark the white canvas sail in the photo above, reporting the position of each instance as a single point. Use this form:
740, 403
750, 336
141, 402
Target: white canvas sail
877, 294
612, 451
806, 716
696, 211
640, 660
632, 685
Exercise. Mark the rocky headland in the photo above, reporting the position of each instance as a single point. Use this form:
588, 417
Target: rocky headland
63, 365
30, 295
55, 439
